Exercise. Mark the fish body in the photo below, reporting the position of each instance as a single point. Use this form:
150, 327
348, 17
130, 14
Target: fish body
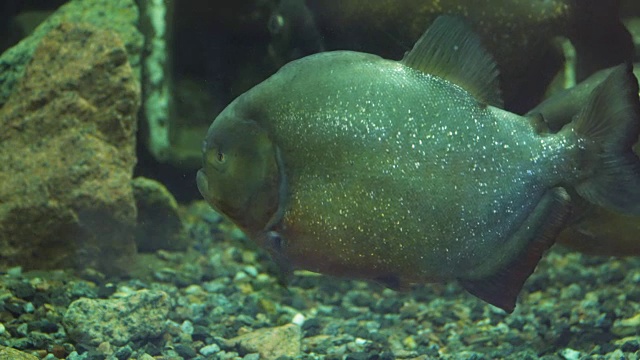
437, 170
404, 172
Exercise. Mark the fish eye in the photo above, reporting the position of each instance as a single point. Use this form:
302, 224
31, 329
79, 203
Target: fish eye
275, 24
220, 157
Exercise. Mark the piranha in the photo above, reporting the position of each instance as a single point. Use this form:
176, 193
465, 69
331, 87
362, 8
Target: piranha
408, 172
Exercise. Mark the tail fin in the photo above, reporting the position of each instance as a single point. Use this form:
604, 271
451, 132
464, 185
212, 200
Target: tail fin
609, 126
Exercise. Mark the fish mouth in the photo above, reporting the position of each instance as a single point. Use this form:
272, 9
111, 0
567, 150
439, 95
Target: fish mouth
215, 203
203, 185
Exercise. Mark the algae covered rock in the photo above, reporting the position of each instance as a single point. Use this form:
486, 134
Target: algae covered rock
7, 353
67, 145
120, 16
271, 343
159, 223
93, 321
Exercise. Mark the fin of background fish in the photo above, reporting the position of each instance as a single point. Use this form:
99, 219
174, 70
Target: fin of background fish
604, 233
559, 109
451, 50
592, 230
599, 37
538, 231
610, 123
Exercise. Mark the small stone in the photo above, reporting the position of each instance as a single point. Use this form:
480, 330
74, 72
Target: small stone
123, 353
29, 308
22, 290
58, 351
626, 327
44, 326
185, 351
361, 341
209, 350
23, 329
360, 355
15, 271
40, 340
298, 319
570, 354
630, 344
237, 234
617, 354
106, 290
105, 348
251, 270
187, 327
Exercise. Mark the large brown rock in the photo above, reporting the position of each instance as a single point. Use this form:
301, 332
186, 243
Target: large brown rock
67, 151
270, 343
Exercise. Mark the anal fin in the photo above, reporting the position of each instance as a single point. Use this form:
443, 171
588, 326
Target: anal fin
538, 232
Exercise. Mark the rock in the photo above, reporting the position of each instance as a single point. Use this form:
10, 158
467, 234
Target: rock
570, 354
13, 354
270, 343
93, 321
67, 148
627, 327
209, 350
120, 16
159, 223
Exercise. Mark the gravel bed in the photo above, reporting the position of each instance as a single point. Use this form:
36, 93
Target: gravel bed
224, 299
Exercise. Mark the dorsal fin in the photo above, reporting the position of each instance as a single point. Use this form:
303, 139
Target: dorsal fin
451, 50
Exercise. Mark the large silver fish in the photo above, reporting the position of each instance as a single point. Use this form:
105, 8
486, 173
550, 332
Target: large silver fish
409, 172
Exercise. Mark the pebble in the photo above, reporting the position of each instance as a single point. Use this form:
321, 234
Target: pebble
209, 350
626, 327
185, 351
570, 354
298, 319
15, 271
251, 270
123, 353
29, 308
187, 327
335, 319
